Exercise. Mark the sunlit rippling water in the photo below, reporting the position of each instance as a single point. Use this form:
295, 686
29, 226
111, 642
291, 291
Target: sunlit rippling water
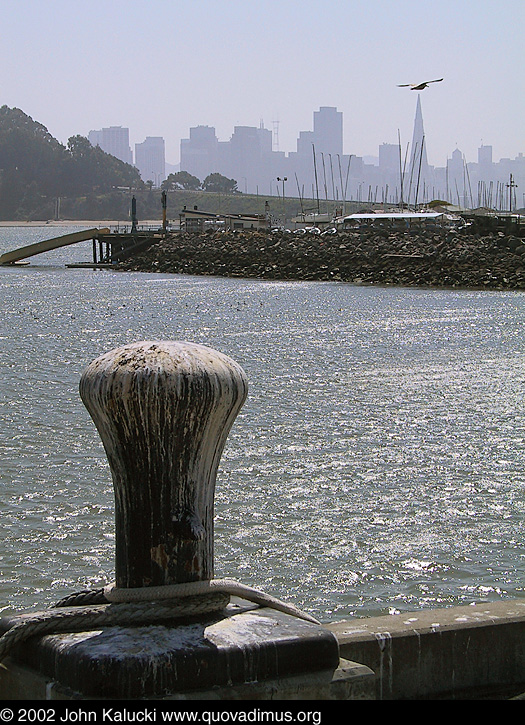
377, 465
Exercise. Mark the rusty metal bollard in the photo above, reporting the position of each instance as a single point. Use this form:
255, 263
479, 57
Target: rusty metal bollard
163, 411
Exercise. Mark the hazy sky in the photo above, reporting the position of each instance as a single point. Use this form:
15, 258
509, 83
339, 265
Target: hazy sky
162, 66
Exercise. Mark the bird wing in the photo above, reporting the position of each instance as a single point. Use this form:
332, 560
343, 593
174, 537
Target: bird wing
417, 86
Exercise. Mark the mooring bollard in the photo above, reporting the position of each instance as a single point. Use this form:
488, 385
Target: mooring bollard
167, 629
163, 411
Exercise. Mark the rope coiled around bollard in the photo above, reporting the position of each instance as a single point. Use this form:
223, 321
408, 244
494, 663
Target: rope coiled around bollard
203, 588
135, 607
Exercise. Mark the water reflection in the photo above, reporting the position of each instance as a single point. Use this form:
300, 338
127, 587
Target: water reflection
376, 466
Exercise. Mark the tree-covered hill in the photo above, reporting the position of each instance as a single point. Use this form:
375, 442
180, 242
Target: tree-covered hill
35, 169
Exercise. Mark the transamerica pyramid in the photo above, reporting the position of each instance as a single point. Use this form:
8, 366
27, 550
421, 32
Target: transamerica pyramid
419, 150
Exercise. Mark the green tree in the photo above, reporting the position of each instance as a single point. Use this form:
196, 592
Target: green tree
35, 168
219, 183
79, 147
91, 169
181, 180
28, 152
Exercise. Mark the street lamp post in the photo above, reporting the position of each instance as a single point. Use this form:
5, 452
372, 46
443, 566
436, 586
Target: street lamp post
283, 179
511, 186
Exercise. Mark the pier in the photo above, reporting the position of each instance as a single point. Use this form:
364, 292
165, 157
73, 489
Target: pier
30, 250
109, 247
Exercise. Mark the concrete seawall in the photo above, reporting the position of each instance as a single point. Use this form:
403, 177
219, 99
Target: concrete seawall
470, 652
428, 258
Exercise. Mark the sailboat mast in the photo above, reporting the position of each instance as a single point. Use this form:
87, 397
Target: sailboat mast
400, 166
343, 199
419, 171
316, 182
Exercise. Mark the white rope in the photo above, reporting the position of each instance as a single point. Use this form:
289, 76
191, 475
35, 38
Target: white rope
88, 619
141, 606
186, 589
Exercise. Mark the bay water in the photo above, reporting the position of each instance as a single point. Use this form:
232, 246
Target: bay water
377, 465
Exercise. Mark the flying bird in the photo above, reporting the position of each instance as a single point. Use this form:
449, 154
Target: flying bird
418, 86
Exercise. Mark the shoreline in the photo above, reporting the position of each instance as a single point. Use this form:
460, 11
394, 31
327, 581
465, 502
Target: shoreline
354, 283
436, 259
427, 259
88, 223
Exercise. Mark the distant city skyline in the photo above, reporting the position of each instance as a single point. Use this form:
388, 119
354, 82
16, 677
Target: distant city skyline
319, 169
162, 67
370, 155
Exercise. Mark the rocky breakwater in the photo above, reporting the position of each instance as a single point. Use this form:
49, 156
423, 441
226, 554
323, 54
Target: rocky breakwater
426, 258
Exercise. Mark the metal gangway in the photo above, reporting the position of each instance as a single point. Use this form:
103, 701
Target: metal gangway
48, 244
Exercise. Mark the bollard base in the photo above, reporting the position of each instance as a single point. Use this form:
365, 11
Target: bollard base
244, 652
350, 681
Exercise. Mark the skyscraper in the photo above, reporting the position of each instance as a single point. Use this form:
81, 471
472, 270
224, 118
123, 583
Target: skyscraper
199, 152
418, 171
485, 156
418, 155
150, 159
113, 140
389, 157
250, 152
328, 130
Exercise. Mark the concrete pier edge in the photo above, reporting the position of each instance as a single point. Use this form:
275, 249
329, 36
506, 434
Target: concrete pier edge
471, 652
468, 652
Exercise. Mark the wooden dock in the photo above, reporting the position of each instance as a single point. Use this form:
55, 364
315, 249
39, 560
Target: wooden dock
117, 246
